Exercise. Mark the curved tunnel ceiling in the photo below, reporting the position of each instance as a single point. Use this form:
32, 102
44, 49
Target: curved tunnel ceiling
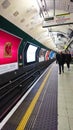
29, 15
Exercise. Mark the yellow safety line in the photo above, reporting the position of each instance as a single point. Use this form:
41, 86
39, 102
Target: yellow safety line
25, 118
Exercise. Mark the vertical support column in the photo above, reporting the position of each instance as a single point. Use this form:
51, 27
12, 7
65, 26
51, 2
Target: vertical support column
54, 7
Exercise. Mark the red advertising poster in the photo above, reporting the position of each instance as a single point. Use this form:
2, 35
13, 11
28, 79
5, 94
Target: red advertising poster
9, 45
47, 55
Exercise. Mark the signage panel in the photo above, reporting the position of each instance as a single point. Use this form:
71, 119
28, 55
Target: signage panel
9, 45
60, 19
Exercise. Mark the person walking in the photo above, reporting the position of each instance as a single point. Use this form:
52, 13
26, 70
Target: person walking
60, 57
68, 59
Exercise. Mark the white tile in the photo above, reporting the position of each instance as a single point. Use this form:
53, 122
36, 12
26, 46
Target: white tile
62, 112
71, 123
70, 113
69, 106
69, 99
63, 123
61, 105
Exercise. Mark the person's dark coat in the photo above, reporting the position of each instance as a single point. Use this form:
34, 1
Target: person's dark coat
68, 58
60, 58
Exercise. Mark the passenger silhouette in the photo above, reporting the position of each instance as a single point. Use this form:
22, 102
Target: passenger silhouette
60, 57
68, 59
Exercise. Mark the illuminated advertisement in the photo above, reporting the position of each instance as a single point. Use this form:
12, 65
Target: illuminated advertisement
52, 55
31, 53
9, 45
47, 55
42, 55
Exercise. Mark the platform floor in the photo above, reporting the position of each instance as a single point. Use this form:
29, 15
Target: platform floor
48, 106
65, 100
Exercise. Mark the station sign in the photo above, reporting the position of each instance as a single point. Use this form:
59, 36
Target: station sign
57, 20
